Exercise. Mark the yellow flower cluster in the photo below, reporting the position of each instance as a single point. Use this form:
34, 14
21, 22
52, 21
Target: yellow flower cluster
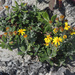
48, 39
55, 40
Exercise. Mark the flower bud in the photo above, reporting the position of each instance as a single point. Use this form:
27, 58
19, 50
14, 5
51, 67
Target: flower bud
7, 28
15, 33
57, 20
10, 33
5, 33
25, 36
61, 17
61, 29
50, 22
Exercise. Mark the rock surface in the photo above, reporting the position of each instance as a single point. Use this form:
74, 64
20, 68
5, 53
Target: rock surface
13, 64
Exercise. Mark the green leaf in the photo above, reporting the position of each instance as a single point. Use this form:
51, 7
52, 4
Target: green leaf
53, 18
22, 38
47, 29
16, 37
13, 7
70, 57
12, 20
6, 46
22, 48
16, 4
51, 63
48, 51
30, 53
14, 15
24, 11
8, 18
19, 15
45, 16
54, 53
14, 28
4, 39
20, 53
3, 45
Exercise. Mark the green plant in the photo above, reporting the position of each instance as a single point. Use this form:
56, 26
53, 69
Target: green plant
33, 32
58, 39
21, 28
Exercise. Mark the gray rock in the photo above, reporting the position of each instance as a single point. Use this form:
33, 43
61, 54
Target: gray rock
68, 10
61, 71
69, 73
27, 58
2, 2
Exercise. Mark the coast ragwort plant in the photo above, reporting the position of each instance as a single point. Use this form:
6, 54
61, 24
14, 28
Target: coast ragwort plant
33, 32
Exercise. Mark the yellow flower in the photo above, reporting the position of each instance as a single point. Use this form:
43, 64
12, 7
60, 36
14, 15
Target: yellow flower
47, 36
66, 26
57, 40
65, 36
72, 33
47, 40
25, 36
66, 23
21, 31
55, 30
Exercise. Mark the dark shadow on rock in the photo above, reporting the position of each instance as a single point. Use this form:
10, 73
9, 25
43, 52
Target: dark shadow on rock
69, 73
2, 73
40, 1
71, 2
70, 62
61, 8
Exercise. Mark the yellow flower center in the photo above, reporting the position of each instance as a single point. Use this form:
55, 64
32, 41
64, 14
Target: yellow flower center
57, 40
